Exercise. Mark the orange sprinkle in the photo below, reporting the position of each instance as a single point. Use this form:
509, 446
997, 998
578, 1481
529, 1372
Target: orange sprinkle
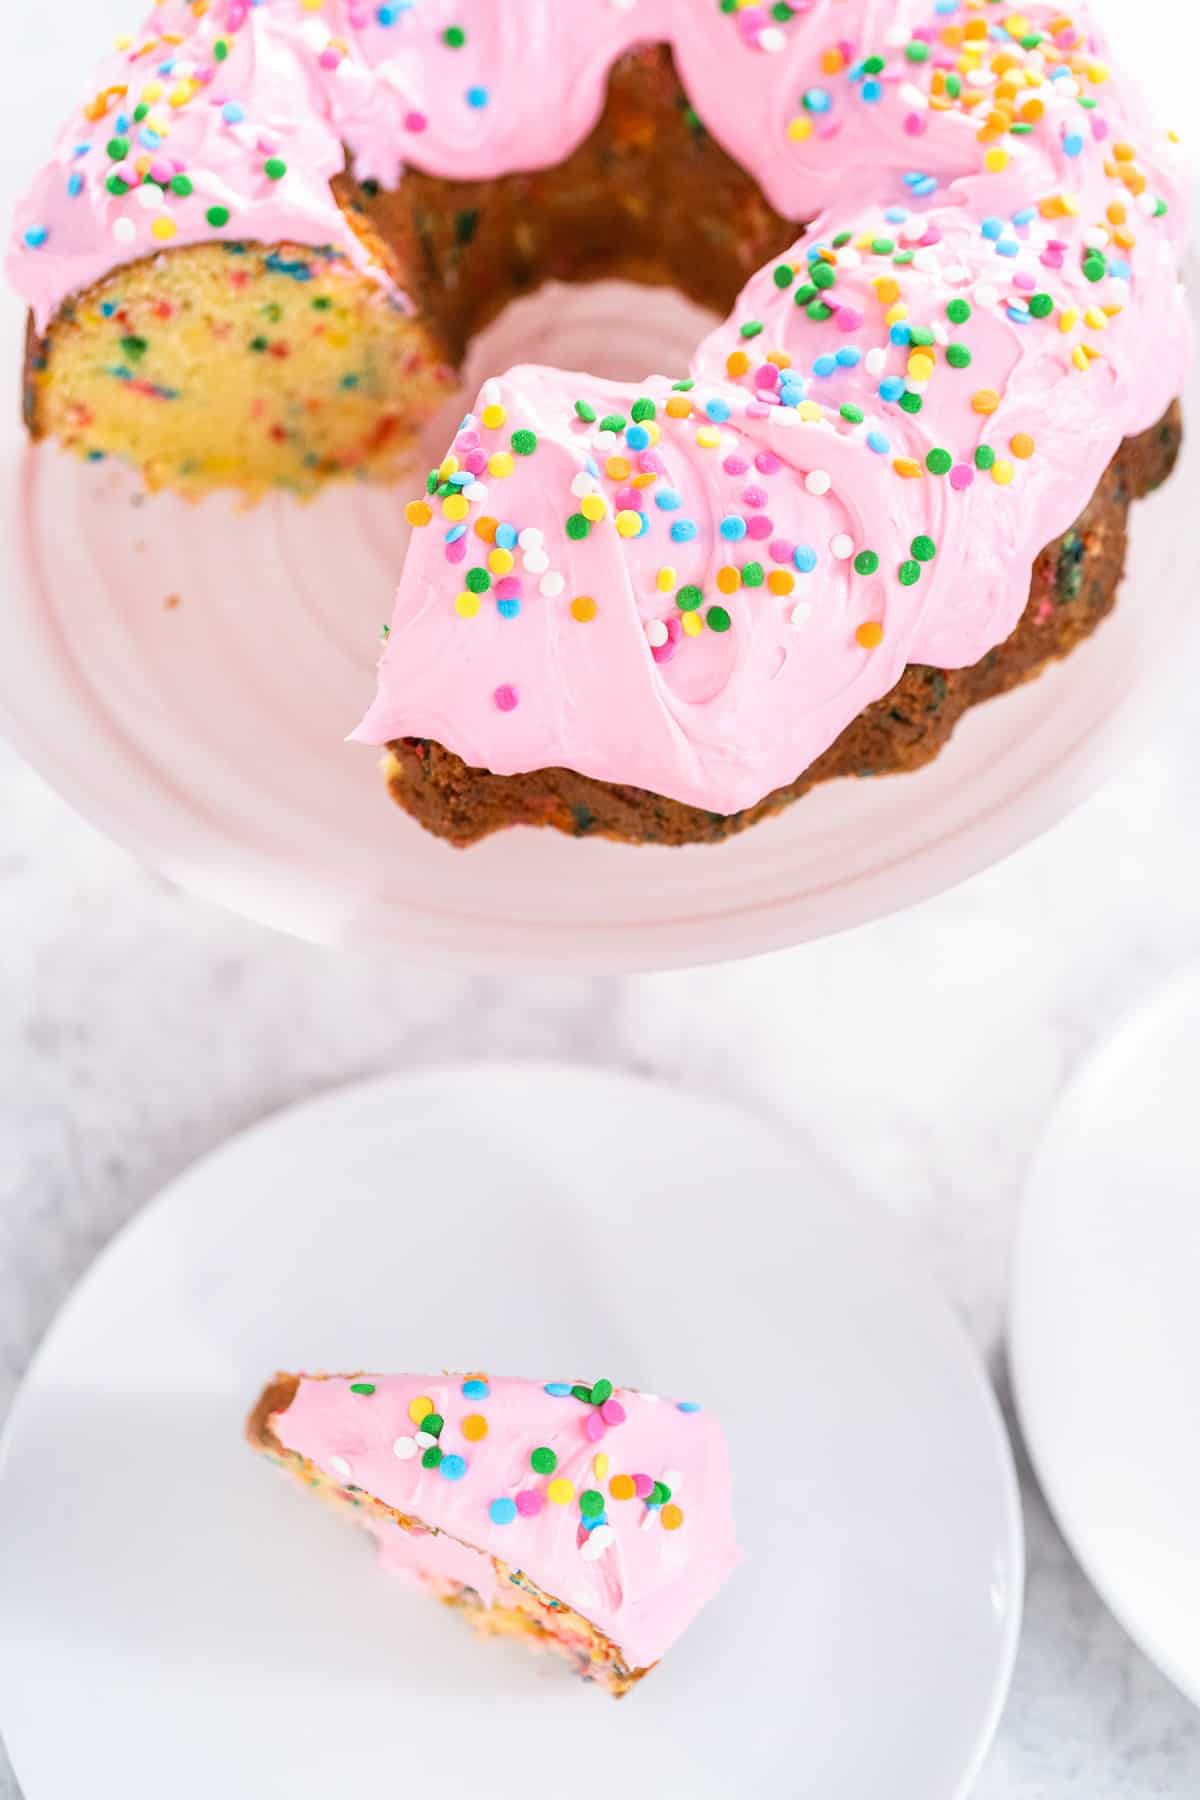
1022, 445
908, 468
474, 1428
417, 513
985, 401
737, 363
584, 609
781, 582
729, 579
486, 528
870, 635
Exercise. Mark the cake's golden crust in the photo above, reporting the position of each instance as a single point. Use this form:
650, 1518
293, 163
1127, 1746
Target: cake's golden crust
526, 1611
1074, 587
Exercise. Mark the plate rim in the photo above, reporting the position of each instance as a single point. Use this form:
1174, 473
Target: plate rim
900, 1250
1064, 1510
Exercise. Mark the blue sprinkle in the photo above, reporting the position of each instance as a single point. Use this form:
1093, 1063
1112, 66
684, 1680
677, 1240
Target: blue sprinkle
872, 91
1073, 144
591, 1524
683, 531
387, 15
453, 1468
668, 500
36, 236
74, 183
896, 215
901, 333
848, 357
232, 113
1120, 269
1026, 216
717, 410
560, 1389
593, 467
168, 67
461, 478
477, 97
733, 528
108, 308
506, 537
645, 524
992, 228
891, 388
1020, 315
689, 1406
475, 1390
945, 7
825, 365
1008, 247
817, 100
455, 533
80, 150
122, 124
149, 140
878, 442
927, 185
637, 437
804, 558
502, 1512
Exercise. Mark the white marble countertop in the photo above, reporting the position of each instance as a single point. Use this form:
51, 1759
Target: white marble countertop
139, 1027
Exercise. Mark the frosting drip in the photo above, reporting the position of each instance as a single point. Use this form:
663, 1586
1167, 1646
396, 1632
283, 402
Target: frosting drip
618, 1507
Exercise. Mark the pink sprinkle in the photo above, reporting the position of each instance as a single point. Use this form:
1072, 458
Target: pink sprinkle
457, 551
476, 463
961, 477
467, 440
766, 376
530, 1503
782, 550
754, 496
915, 124
662, 653
508, 588
759, 527
767, 463
1052, 259
1099, 128
1024, 280
161, 171
506, 697
329, 59
415, 121
848, 318
932, 236
594, 1427
643, 1487
735, 465
613, 1413
757, 410
651, 463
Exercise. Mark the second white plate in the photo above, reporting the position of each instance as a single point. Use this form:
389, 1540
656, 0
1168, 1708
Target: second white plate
177, 1618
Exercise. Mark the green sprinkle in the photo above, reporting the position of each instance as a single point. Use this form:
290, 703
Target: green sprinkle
454, 37
823, 274
524, 442
922, 337
1041, 306
910, 574
753, 575
958, 356
917, 52
939, 462
433, 1424
874, 65
752, 328
134, 347
784, 275
911, 403
866, 562
985, 457
217, 216
842, 239
601, 1392
924, 548
275, 168
659, 1494
688, 599
585, 412
578, 527
804, 294
591, 1503
613, 422
362, 1387
478, 580
431, 1458
958, 311
118, 148
116, 185
641, 410
718, 619
883, 246
853, 415
543, 1460
181, 185
220, 50
582, 1393
818, 312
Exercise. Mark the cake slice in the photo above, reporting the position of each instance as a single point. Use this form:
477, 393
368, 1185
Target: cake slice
587, 1519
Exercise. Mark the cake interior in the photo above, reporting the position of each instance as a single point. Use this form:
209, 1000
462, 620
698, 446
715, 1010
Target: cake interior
278, 366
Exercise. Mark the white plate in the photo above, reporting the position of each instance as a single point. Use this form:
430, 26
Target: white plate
176, 1618
1105, 1327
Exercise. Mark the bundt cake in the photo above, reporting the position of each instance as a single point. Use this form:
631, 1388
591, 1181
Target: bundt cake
655, 610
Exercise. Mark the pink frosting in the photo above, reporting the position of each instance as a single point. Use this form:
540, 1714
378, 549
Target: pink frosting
853, 110
640, 1575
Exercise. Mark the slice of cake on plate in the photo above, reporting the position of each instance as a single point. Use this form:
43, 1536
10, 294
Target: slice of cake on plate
592, 1520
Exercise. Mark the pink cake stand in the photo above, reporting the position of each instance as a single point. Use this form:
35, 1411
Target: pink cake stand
186, 676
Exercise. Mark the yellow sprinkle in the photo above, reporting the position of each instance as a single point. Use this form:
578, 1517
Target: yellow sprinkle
667, 579
561, 1491
629, 524
493, 417
729, 579
466, 606
896, 314
1002, 474
870, 636
600, 1465
163, 228
709, 437
455, 508
500, 465
181, 93
448, 467
799, 129
594, 507
501, 562
995, 161
887, 289
644, 481
422, 1406
693, 624
1096, 318
809, 410
920, 366
653, 431
1068, 319
780, 358
417, 513
584, 608
152, 91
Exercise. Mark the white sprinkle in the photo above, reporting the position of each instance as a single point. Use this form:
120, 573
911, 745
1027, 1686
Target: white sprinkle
584, 483
124, 230
913, 230
606, 440
537, 562
1148, 203
912, 95
652, 1398
425, 1440
842, 546
1096, 238
876, 361
850, 258
656, 633
801, 613
980, 78
650, 1518
622, 5
896, 36
598, 1542
531, 538
986, 294
405, 1448
925, 260
956, 274
151, 197
551, 585
476, 492
672, 1479
772, 40
940, 333
818, 481
340, 1467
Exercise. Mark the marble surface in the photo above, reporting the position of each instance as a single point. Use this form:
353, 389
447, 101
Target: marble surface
922, 1055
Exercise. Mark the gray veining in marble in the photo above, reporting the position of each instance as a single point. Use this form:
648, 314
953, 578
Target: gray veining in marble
139, 1027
